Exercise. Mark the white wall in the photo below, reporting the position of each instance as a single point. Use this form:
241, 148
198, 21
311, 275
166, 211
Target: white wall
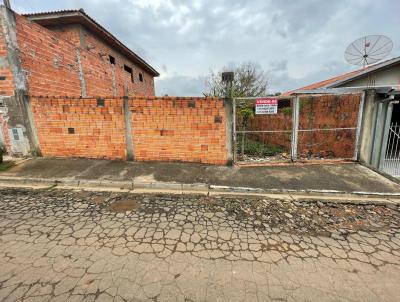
387, 77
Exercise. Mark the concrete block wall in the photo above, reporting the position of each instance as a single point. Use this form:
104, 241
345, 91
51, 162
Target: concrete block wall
162, 129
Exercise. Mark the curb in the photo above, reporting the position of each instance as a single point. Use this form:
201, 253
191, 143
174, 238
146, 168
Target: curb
182, 188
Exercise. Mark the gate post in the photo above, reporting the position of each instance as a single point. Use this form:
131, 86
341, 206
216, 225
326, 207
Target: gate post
233, 125
295, 127
386, 126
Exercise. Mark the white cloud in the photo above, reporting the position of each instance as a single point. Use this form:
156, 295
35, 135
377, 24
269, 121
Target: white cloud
298, 41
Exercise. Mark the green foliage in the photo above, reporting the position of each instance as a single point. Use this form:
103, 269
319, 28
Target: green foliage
255, 148
246, 113
6, 165
305, 103
287, 110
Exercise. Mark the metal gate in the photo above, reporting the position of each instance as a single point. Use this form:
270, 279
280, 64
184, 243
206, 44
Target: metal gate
391, 162
276, 129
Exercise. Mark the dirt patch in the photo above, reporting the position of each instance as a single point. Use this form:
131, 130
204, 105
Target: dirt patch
124, 205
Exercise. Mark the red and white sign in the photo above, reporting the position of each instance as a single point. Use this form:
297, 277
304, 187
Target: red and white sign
267, 106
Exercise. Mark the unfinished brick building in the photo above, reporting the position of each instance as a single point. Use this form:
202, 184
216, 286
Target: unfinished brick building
63, 53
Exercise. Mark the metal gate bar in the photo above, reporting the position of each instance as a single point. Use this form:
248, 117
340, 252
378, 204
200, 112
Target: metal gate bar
238, 132
391, 162
295, 100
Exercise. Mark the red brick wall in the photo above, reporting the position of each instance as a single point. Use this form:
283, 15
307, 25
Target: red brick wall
316, 112
50, 61
102, 51
99, 132
97, 68
179, 129
328, 111
163, 129
282, 121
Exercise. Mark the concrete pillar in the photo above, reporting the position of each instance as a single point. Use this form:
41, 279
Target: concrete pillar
228, 106
81, 74
23, 135
114, 81
128, 130
368, 127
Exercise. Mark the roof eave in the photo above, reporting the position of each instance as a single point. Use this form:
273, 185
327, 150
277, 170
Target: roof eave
363, 73
78, 17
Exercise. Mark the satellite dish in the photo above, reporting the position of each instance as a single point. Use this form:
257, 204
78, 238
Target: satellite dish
368, 50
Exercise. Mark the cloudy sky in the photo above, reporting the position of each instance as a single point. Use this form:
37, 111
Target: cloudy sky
297, 42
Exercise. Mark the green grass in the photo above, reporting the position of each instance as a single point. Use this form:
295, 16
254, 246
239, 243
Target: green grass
6, 165
255, 148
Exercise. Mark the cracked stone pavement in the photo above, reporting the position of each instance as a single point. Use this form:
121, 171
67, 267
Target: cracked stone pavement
60, 245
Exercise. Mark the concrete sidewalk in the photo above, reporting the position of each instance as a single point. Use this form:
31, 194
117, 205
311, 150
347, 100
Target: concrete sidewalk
330, 178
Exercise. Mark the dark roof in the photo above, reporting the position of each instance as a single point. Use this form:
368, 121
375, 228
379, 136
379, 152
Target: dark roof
347, 77
73, 16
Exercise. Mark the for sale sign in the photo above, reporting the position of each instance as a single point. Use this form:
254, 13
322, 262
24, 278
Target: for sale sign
267, 106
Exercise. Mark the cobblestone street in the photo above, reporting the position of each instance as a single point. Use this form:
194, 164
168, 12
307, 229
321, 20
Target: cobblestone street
59, 245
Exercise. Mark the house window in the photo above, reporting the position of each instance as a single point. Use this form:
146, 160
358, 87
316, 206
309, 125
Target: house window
141, 77
129, 70
15, 134
112, 60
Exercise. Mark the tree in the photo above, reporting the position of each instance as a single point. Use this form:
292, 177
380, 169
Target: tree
249, 81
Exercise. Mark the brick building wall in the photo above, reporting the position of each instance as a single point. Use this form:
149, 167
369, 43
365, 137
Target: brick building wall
50, 60
163, 129
124, 82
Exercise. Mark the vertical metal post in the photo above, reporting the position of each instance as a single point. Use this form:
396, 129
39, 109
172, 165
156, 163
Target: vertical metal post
359, 125
234, 132
386, 126
295, 127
